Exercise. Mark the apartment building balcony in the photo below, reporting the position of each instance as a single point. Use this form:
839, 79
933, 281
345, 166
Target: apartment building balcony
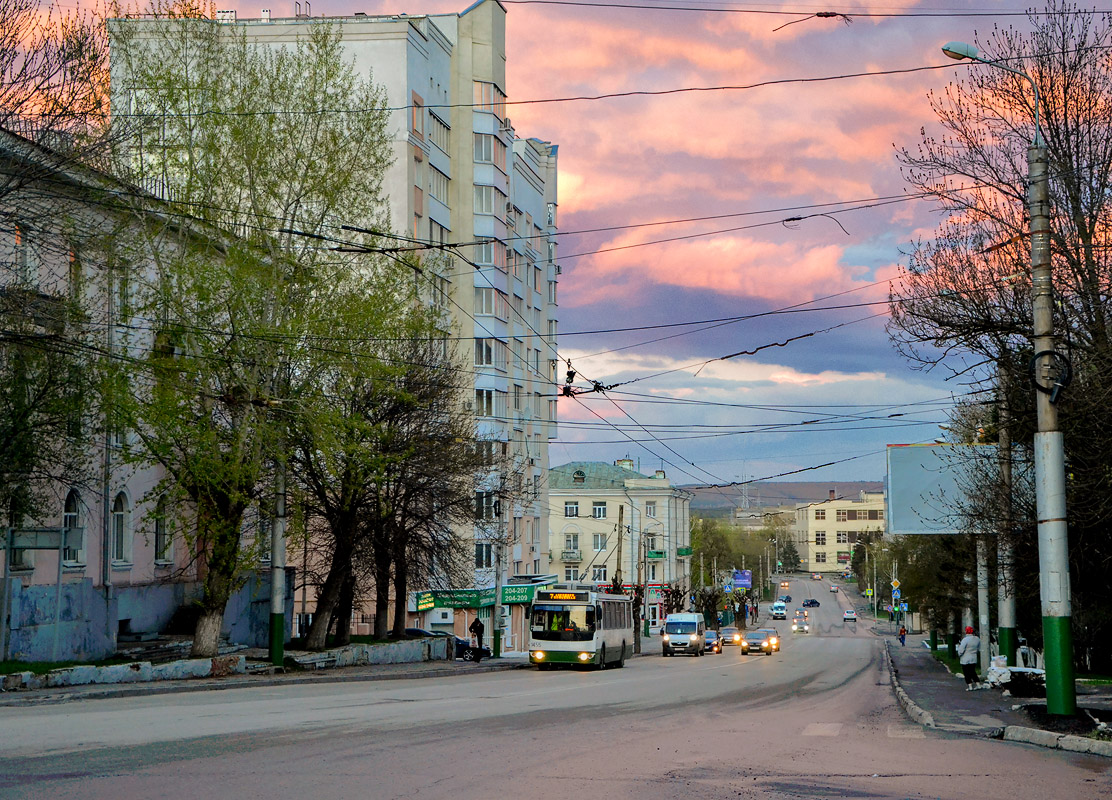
571, 555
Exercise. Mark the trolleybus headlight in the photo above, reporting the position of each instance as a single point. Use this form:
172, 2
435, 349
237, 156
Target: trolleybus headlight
586, 656
539, 655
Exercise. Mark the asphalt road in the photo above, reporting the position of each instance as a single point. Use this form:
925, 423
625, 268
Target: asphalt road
817, 719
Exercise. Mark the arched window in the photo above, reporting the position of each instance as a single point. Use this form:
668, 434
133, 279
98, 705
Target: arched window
71, 520
579, 476
121, 529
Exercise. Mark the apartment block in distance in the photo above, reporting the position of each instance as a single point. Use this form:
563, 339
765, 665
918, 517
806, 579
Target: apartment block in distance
826, 532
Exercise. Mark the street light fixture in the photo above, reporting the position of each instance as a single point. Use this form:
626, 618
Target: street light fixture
1050, 377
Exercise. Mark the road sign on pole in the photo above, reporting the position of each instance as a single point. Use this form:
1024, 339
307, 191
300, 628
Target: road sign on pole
895, 584
895, 594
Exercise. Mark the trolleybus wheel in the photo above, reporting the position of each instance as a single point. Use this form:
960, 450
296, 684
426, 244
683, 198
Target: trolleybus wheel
622, 658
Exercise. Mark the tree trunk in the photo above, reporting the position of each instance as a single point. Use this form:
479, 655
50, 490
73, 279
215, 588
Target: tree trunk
401, 581
343, 611
327, 601
206, 636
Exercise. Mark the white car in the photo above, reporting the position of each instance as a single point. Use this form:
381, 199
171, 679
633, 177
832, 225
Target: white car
849, 615
833, 588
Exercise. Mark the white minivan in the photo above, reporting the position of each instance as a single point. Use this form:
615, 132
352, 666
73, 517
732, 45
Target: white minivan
684, 633
779, 610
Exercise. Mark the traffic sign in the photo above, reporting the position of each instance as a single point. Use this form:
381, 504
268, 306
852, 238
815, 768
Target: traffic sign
903, 606
728, 586
895, 594
895, 584
868, 593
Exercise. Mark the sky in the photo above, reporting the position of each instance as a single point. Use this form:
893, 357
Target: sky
781, 194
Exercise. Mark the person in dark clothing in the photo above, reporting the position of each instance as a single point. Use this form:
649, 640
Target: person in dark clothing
476, 629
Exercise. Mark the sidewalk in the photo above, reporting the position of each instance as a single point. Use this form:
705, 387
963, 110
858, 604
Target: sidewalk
937, 698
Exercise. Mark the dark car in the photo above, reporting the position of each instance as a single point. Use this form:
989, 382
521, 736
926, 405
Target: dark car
756, 642
773, 637
730, 636
712, 642
810, 602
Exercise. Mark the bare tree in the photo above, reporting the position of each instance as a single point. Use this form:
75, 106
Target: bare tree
964, 302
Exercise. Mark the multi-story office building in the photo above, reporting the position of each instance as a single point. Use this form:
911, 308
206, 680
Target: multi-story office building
825, 533
608, 520
484, 199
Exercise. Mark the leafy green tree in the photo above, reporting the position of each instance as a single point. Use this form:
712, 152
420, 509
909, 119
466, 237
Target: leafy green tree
245, 143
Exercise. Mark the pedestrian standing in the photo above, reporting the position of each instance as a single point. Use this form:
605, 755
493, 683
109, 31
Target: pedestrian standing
969, 649
477, 628
903, 636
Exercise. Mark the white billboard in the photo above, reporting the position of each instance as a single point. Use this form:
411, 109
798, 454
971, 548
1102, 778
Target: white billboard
926, 485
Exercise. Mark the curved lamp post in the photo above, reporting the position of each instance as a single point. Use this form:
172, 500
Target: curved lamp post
1049, 379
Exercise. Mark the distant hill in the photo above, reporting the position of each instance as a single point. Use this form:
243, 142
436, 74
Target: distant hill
774, 493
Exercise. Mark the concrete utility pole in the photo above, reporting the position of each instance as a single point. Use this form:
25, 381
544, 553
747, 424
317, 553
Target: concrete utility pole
621, 531
1007, 637
278, 570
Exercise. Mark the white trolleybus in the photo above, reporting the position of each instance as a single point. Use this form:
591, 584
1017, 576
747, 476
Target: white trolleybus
579, 625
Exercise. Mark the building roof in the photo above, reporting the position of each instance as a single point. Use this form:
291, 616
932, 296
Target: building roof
596, 475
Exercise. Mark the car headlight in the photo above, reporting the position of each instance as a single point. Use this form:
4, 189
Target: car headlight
764, 644
667, 638
694, 637
737, 638
773, 640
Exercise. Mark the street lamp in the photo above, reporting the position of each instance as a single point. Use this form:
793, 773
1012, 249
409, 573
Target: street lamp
1050, 377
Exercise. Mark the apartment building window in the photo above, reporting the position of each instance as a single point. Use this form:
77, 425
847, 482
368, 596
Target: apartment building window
417, 116
820, 537
820, 558
571, 541
552, 293
538, 279
652, 572
820, 513
598, 509
600, 542
490, 353
571, 574
551, 215
598, 574
579, 476
489, 200
121, 530
517, 397
489, 149
484, 402
650, 508
841, 515
439, 133
492, 302
71, 520
438, 185
571, 508
484, 555
486, 505
843, 537
489, 97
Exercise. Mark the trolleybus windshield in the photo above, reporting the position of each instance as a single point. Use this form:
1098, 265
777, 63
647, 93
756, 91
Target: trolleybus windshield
559, 623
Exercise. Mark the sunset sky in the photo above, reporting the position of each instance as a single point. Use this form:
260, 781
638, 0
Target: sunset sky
753, 159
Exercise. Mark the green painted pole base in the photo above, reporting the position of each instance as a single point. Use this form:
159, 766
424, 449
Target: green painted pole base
277, 639
1061, 693
496, 645
1008, 638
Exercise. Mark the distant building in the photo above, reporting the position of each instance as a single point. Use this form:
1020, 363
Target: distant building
607, 520
826, 532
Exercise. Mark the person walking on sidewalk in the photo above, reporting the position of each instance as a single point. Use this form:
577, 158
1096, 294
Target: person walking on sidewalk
476, 629
969, 649
903, 636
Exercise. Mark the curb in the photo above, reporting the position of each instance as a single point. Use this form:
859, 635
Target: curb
1058, 741
910, 707
68, 694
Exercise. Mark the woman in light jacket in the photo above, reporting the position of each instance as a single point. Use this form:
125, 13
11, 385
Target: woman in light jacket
969, 649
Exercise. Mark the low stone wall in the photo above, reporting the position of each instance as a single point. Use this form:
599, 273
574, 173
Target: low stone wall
403, 652
137, 672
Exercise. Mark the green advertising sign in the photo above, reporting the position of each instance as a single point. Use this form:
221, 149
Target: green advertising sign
425, 601
683, 551
655, 554
462, 598
522, 593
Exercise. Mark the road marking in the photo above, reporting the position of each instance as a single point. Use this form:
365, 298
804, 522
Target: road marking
823, 729
905, 732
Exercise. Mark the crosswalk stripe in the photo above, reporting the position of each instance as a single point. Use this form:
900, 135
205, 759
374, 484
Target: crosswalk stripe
823, 729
